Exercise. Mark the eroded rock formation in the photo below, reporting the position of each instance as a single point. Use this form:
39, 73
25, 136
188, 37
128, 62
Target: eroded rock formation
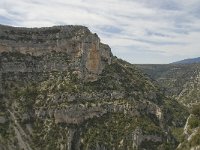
87, 55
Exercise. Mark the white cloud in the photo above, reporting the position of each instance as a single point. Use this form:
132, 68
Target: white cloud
135, 29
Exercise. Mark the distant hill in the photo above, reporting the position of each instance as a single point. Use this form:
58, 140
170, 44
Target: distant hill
188, 61
181, 81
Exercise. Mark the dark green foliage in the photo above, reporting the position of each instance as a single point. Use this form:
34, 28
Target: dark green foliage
196, 110
48, 139
2, 105
26, 97
150, 145
194, 122
111, 129
178, 134
195, 139
174, 113
4, 129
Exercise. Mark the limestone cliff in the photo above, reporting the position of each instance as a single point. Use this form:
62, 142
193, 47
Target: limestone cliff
87, 56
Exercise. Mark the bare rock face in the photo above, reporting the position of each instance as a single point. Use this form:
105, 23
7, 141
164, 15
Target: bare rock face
75, 116
87, 55
95, 56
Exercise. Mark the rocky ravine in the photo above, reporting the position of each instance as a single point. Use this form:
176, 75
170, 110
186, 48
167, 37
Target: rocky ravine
181, 81
61, 88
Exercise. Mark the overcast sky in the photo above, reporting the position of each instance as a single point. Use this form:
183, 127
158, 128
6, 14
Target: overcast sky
139, 31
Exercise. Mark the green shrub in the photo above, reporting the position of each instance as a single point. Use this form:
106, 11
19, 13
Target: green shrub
194, 122
178, 134
196, 110
195, 139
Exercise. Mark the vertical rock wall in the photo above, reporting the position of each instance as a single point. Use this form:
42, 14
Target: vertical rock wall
87, 56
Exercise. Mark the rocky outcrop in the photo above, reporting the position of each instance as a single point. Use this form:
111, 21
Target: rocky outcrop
84, 52
77, 116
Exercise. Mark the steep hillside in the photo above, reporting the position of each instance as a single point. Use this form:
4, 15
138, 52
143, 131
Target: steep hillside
62, 89
192, 131
183, 83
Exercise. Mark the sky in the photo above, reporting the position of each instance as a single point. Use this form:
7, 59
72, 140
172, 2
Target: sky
138, 31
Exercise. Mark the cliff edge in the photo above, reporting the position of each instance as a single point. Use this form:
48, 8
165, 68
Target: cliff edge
86, 55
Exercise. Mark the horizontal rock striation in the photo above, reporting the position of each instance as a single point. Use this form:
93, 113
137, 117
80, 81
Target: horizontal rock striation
57, 48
